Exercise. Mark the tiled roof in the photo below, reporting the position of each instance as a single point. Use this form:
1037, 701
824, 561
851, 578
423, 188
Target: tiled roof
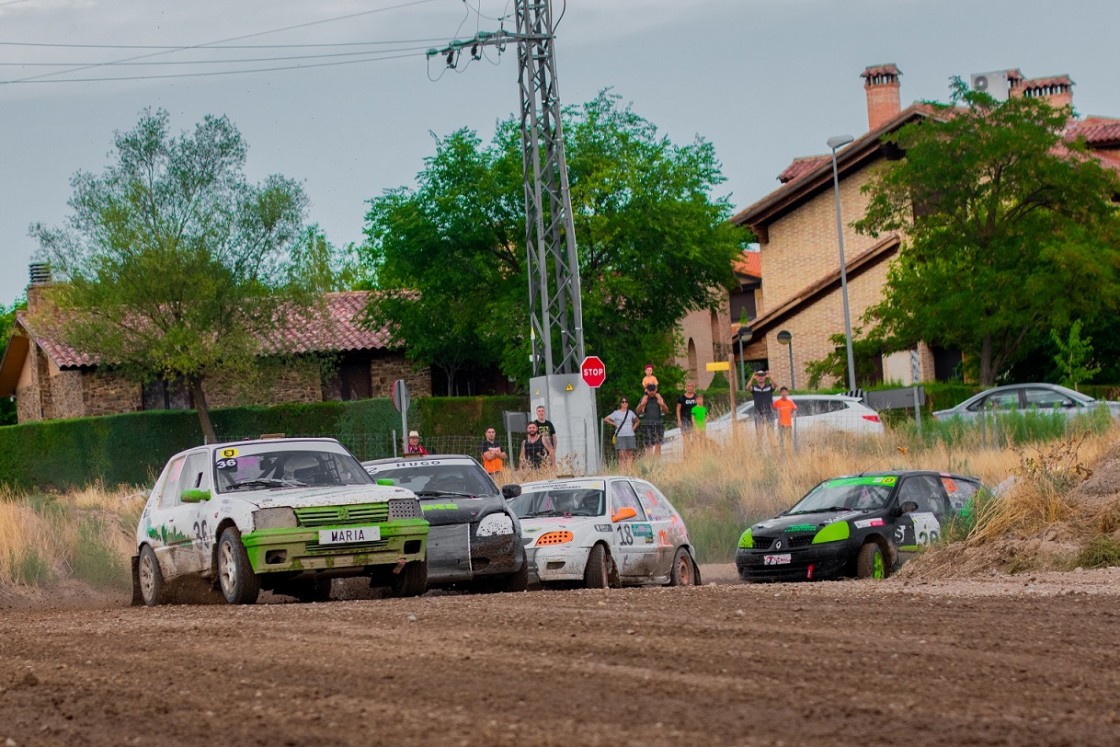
748, 263
1097, 131
800, 167
340, 330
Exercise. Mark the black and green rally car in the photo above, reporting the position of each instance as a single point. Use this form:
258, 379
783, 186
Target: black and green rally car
860, 525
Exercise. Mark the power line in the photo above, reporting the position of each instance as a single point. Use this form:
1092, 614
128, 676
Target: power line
214, 72
215, 62
41, 76
180, 47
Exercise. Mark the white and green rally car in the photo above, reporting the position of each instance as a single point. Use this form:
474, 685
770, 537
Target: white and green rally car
603, 531
287, 515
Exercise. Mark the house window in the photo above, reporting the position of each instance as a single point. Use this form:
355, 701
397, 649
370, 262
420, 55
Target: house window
167, 395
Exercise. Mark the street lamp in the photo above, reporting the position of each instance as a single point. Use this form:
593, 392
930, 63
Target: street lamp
834, 143
785, 338
744, 335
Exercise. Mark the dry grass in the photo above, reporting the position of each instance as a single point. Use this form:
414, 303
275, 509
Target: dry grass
85, 534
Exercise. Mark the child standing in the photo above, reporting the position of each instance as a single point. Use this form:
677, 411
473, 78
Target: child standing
699, 414
785, 407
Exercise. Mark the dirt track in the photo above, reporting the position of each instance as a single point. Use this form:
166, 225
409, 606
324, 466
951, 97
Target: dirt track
998, 661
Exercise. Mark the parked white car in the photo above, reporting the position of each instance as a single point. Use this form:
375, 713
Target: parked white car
816, 414
288, 515
1044, 398
601, 532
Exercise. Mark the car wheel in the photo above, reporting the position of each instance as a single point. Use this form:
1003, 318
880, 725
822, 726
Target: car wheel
596, 574
235, 575
313, 590
871, 563
412, 581
153, 589
683, 572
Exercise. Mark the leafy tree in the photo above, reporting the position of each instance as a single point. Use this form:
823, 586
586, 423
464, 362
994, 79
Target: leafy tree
1008, 229
1075, 356
866, 353
449, 255
175, 266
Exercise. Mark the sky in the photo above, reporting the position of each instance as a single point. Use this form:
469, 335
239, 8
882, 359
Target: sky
342, 97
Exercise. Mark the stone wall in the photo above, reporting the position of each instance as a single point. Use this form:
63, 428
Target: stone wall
386, 368
275, 382
67, 394
108, 393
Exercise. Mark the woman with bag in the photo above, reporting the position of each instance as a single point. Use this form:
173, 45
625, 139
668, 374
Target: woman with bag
625, 441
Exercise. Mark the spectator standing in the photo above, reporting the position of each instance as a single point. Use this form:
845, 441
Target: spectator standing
652, 409
624, 421
699, 414
685, 403
785, 408
548, 432
414, 446
761, 387
534, 449
492, 455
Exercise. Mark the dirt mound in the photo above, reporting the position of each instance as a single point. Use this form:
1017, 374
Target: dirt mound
1085, 518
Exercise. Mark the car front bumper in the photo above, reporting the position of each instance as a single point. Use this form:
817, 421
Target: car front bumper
455, 556
288, 550
815, 562
557, 562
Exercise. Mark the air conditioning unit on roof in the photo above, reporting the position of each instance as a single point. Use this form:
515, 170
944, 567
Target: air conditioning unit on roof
995, 84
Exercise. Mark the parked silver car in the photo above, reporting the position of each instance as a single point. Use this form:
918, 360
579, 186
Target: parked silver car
1022, 397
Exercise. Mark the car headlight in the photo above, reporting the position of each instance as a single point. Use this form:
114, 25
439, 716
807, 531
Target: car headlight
555, 538
274, 518
746, 540
496, 523
405, 508
834, 532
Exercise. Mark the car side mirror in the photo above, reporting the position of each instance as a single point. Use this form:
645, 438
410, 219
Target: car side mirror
907, 507
194, 495
386, 481
624, 513
511, 491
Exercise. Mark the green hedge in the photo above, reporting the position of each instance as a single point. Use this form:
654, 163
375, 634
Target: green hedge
133, 447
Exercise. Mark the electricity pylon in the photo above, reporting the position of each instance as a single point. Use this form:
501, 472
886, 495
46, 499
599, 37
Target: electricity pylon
555, 311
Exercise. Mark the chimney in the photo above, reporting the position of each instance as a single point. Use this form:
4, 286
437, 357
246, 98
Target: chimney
40, 273
1057, 90
883, 102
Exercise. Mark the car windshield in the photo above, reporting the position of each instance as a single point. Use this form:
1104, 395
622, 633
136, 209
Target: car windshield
559, 502
260, 467
442, 478
847, 493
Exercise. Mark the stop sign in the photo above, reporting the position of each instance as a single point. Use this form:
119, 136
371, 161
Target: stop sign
593, 371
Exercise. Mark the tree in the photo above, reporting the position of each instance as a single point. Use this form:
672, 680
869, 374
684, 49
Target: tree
1008, 229
1075, 356
652, 242
177, 268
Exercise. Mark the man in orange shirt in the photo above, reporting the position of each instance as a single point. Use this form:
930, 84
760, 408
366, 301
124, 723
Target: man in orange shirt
785, 407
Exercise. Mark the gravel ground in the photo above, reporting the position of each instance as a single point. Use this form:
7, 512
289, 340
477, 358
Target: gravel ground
997, 660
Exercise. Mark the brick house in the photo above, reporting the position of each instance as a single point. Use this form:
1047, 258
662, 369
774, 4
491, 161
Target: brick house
335, 358
704, 333
796, 228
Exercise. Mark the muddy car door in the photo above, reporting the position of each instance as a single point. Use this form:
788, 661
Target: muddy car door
924, 507
635, 550
167, 521
668, 532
